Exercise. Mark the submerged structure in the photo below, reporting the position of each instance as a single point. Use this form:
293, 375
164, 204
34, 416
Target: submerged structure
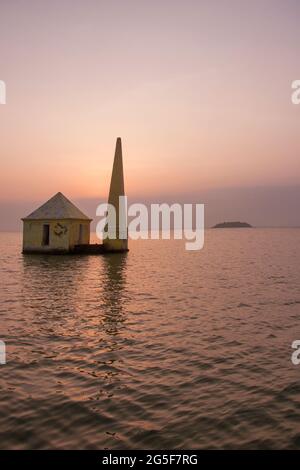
55, 227
58, 226
116, 190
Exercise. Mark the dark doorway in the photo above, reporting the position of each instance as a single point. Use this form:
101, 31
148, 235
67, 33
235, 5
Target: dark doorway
46, 234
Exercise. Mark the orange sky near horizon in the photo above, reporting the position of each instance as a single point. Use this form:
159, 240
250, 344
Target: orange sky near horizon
199, 91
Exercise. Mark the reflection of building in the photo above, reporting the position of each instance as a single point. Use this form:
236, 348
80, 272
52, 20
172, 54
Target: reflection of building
55, 227
113, 298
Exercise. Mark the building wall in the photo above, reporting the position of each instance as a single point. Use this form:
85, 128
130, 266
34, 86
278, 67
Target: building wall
64, 234
75, 233
115, 245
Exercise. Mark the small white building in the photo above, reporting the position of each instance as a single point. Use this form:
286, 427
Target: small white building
55, 227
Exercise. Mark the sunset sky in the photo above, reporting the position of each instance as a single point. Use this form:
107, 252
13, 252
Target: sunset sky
199, 91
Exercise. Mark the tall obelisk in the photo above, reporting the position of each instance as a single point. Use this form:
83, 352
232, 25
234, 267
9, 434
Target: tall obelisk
120, 243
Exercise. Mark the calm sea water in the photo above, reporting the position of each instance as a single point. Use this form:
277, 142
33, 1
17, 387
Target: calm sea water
157, 348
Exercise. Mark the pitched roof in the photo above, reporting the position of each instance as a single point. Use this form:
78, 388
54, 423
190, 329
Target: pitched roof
58, 207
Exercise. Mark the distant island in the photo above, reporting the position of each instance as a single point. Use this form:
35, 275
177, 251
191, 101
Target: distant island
233, 225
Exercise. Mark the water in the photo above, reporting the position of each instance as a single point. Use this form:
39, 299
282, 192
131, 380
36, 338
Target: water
157, 348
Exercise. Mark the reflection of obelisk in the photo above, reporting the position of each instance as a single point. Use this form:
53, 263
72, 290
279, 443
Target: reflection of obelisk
120, 243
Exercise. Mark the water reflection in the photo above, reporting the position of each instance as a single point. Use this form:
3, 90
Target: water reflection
52, 283
114, 298
57, 285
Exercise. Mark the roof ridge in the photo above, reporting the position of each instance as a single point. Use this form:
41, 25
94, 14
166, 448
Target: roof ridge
57, 207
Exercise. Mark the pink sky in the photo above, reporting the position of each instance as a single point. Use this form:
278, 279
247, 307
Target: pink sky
199, 91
